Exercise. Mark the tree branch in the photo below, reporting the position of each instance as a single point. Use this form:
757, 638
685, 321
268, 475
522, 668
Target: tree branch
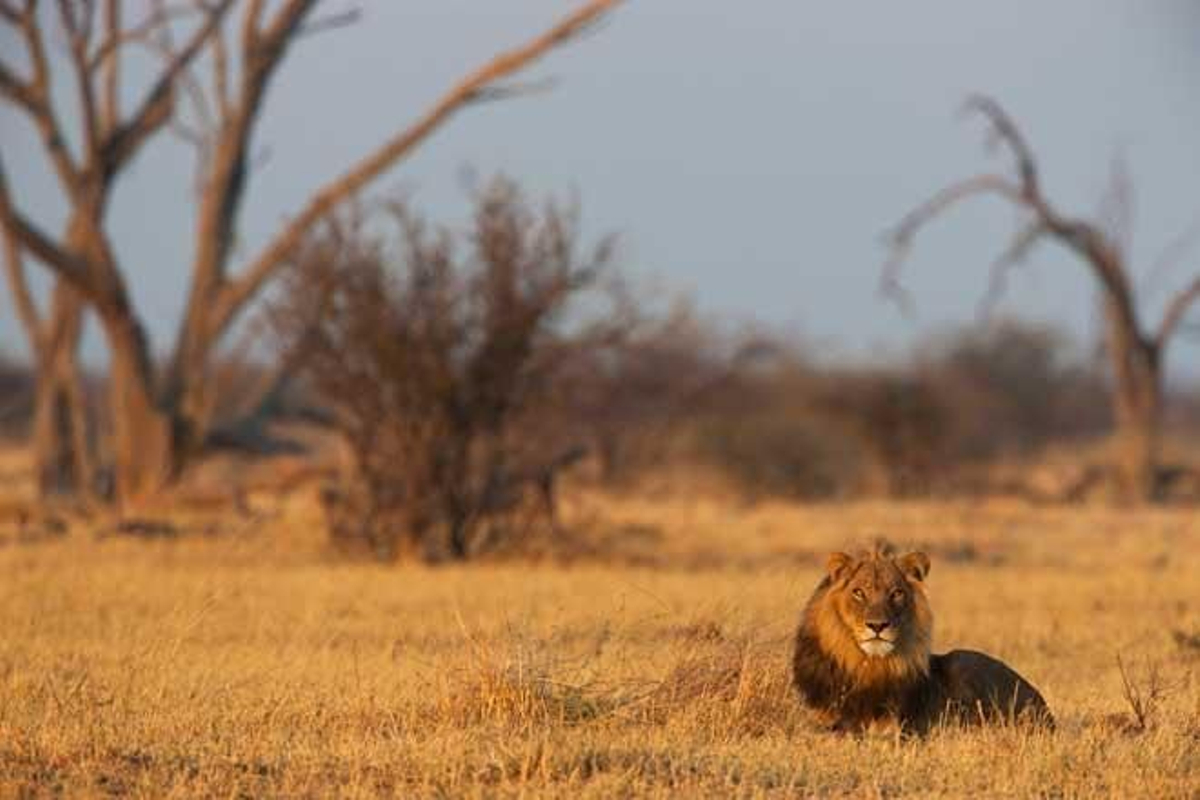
225, 174
1005, 131
34, 240
111, 108
1176, 312
155, 108
332, 22
220, 72
22, 298
1016, 252
37, 102
115, 38
288, 21
18, 91
1172, 255
468, 90
1088, 242
78, 34
900, 238
251, 23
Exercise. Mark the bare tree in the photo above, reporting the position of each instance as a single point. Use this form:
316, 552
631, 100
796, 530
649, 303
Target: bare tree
162, 419
1135, 351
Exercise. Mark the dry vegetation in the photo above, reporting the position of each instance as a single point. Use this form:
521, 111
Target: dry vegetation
255, 664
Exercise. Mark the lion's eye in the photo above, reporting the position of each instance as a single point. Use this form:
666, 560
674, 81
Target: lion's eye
860, 595
898, 596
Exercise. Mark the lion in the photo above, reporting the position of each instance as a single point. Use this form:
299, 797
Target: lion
862, 655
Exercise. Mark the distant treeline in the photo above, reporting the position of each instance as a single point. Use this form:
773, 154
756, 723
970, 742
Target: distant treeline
778, 419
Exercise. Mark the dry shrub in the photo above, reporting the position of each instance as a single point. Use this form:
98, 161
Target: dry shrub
1011, 388
633, 399
896, 419
728, 686
913, 427
1144, 696
518, 684
1188, 643
798, 430
781, 453
443, 360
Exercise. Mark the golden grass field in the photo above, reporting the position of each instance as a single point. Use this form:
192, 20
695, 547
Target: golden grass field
256, 664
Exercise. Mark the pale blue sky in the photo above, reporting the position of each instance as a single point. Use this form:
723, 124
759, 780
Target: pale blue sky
749, 153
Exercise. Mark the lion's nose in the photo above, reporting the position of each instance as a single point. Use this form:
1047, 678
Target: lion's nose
877, 626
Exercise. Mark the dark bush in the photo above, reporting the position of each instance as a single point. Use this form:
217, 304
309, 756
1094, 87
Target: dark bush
444, 364
1013, 388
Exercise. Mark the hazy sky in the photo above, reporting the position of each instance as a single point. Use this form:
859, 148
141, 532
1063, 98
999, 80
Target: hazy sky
749, 153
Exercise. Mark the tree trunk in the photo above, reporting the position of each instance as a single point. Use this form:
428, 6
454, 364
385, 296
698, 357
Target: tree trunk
1138, 408
62, 445
53, 454
145, 457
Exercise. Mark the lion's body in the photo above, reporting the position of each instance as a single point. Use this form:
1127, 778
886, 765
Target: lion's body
862, 656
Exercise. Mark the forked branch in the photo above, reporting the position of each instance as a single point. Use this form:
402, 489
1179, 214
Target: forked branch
473, 88
156, 107
1101, 256
1177, 311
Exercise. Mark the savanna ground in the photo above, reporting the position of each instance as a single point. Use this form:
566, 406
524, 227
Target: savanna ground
255, 663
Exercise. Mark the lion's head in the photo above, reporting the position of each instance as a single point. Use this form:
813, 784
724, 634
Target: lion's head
871, 615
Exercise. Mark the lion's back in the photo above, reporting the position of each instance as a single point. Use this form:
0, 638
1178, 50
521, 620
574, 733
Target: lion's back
971, 687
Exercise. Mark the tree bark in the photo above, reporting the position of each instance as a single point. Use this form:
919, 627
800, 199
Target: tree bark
1137, 410
63, 451
145, 458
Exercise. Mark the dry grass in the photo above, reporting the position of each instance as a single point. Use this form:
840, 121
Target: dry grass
254, 665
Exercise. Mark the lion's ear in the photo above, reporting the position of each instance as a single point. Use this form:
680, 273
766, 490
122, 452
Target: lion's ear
914, 566
838, 564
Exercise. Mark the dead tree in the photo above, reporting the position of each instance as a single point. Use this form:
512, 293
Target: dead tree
1134, 350
161, 419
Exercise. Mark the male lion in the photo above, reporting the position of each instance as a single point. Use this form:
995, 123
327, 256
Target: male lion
862, 655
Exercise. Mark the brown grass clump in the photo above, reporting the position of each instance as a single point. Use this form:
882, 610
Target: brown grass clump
729, 688
516, 685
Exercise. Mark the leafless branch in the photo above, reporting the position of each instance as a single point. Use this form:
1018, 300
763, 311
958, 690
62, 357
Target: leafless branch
468, 90
286, 23
18, 91
251, 23
900, 239
1018, 249
36, 242
1177, 311
1118, 206
111, 103
160, 16
22, 298
155, 109
331, 22
1091, 244
1004, 131
79, 31
220, 70
1170, 257
34, 97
